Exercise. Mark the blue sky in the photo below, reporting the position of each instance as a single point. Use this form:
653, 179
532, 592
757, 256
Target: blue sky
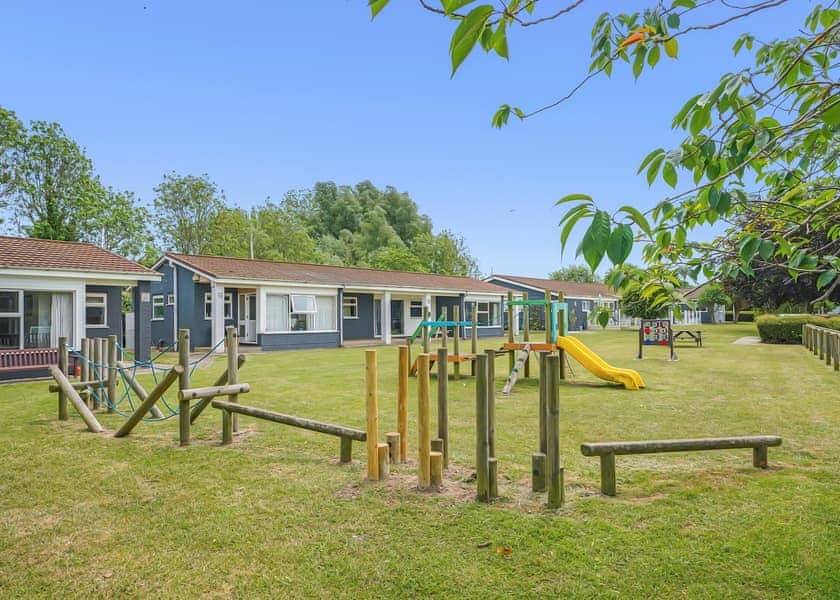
271, 96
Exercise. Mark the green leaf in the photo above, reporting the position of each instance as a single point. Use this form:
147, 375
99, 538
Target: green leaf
669, 173
638, 218
638, 64
500, 118
571, 218
714, 197
684, 3
672, 47
680, 116
749, 246
673, 21
831, 116
724, 202
467, 34
826, 278
653, 169
620, 244
572, 198
450, 6
603, 318
649, 158
376, 7
595, 240
499, 41
653, 55
766, 249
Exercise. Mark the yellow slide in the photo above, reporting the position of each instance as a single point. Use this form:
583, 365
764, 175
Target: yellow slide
629, 378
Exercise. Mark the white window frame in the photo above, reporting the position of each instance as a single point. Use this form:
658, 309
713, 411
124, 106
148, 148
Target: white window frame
16, 315
104, 304
170, 300
292, 309
162, 304
227, 306
351, 302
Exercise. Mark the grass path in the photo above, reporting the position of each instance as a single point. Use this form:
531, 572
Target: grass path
273, 515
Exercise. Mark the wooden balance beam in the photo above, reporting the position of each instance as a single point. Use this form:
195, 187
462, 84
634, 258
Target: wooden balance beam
347, 434
608, 451
451, 358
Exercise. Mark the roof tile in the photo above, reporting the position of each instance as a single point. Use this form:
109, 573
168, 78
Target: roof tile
30, 253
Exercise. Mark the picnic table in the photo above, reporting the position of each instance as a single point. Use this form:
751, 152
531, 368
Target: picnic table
694, 334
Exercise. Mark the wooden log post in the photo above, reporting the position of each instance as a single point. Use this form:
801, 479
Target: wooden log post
435, 469
542, 407
561, 330
511, 338
183, 384
549, 318
96, 372
232, 344
103, 355
443, 404
456, 342
86, 414
482, 454
112, 373
220, 381
402, 400
492, 478
150, 400
837, 351
555, 484
383, 466
427, 331
526, 337
437, 445
538, 472
394, 440
443, 330
346, 450
62, 366
227, 427
85, 358
229, 390
424, 441
829, 346
474, 336
608, 474
372, 412
491, 403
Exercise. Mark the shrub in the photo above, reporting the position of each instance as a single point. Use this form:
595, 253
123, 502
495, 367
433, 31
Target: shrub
746, 316
788, 330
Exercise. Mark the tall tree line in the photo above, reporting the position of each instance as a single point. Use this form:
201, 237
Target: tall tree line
49, 189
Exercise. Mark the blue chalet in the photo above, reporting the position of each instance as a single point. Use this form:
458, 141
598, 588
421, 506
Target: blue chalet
583, 298
280, 305
51, 289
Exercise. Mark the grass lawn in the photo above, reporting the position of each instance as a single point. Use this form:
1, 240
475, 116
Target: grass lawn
274, 515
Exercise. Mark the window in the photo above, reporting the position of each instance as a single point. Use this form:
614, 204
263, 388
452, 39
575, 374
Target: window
350, 307
303, 304
170, 300
299, 313
10, 319
208, 305
486, 313
96, 310
157, 308
35, 319
415, 309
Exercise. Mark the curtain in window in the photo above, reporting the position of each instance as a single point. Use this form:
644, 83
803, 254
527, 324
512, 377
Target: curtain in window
277, 313
62, 318
325, 315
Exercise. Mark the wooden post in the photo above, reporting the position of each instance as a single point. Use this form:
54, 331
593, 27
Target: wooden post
561, 330
829, 347
142, 394
481, 442
436, 469
394, 444
443, 330
227, 427
106, 371
526, 337
492, 478
608, 474
149, 402
437, 445
232, 343
549, 314
538, 472
555, 493
62, 366
456, 341
85, 351
402, 401
184, 384
383, 466
760, 457
220, 381
491, 402
346, 449
96, 372
474, 336
87, 416
511, 357
112, 373
372, 409
543, 403
443, 403
837, 351
423, 422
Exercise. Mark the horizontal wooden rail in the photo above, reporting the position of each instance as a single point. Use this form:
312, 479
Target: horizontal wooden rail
607, 451
347, 434
213, 391
78, 385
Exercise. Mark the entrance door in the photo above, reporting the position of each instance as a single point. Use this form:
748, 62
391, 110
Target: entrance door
248, 318
397, 317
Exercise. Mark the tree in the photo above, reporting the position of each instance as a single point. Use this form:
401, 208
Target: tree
579, 273
446, 254
763, 142
634, 303
11, 133
711, 296
397, 258
185, 207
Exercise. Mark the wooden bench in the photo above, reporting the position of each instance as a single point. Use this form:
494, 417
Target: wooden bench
695, 334
608, 451
28, 359
347, 434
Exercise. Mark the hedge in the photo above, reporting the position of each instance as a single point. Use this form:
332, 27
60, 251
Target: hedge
746, 316
788, 330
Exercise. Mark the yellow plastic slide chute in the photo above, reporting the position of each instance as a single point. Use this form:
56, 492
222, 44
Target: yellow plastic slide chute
629, 378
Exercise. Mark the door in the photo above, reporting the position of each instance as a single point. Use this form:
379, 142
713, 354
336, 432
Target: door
248, 318
397, 317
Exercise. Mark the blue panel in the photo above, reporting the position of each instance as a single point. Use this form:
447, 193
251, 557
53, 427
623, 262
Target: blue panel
298, 341
361, 328
114, 309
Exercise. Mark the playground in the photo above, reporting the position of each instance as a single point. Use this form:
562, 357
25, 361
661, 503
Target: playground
275, 513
